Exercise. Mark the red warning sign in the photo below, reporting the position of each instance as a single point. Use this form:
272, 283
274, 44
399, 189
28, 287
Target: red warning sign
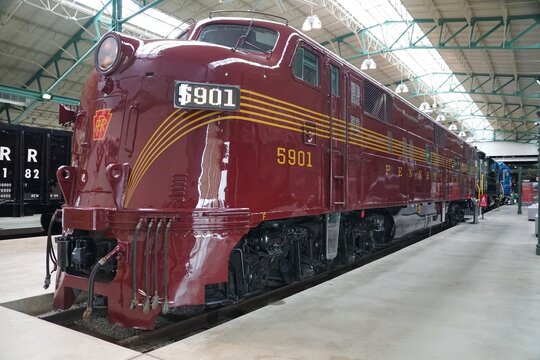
484, 201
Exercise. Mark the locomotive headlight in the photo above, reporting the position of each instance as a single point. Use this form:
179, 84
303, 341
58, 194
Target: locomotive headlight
108, 54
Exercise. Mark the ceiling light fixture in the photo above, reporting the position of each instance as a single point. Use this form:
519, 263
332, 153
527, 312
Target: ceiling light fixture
440, 117
46, 96
452, 127
424, 106
462, 134
312, 22
402, 88
307, 24
368, 63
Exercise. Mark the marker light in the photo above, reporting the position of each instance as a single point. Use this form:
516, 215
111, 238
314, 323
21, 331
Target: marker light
108, 55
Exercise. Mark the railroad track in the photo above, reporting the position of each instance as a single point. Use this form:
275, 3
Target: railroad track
177, 327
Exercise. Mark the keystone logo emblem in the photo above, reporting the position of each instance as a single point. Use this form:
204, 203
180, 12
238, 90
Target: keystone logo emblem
101, 123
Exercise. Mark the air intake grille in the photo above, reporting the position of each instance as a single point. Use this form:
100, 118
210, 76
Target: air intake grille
377, 103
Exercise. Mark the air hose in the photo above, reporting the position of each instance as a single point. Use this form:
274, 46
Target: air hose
92, 279
50, 255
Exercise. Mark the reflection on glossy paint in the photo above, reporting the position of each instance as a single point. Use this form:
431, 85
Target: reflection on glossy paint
213, 178
202, 248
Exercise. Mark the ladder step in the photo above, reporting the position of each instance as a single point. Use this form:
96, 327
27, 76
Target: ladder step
339, 203
339, 177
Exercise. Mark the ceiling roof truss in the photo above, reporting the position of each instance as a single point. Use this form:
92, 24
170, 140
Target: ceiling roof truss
475, 41
481, 84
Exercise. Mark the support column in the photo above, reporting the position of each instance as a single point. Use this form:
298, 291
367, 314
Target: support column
538, 190
519, 190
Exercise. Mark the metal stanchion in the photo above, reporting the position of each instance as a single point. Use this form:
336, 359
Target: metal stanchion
519, 190
538, 189
476, 209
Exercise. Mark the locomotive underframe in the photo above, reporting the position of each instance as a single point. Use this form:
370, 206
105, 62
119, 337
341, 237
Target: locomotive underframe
270, 255
280, 252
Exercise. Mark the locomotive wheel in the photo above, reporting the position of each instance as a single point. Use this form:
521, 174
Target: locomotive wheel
368, 245
455, 215
390, 229
287, 271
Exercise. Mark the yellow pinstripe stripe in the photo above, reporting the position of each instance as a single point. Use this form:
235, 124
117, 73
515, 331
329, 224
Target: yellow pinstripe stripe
420, 152
157, 141
150, 141
170, 132
323, 117
305, 117
285, 103
154, 152
164, 136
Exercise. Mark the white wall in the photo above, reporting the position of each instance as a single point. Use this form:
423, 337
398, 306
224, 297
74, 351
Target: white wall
507, 149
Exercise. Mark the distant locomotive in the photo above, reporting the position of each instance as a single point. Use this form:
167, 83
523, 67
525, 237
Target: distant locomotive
240, 157
505, 179
494, 180
29, 158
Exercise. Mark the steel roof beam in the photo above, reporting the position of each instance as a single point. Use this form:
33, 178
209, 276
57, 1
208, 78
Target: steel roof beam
474, 81
37, 78
475, 92
70, 52
450, 42
507, 108
36, 95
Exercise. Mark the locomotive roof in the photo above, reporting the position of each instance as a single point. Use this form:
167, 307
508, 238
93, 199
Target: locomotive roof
289, 30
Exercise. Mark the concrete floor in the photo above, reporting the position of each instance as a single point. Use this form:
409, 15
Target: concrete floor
12, 226
24, 337
22, 265
470, 292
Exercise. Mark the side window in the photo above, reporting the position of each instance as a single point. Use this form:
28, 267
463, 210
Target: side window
428, 153
334, 80
355, 93
306, 66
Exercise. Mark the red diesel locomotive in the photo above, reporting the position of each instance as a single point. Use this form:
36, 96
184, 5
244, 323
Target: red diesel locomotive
239, 157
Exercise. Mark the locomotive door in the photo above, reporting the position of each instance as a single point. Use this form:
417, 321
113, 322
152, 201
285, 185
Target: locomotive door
338, 137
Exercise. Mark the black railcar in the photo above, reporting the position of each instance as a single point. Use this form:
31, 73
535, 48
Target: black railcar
29, 158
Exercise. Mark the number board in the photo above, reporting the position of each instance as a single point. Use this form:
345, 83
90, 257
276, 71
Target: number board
206, 96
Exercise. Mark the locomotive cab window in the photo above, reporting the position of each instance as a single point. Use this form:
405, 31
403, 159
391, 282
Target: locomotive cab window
306, 66
255, 38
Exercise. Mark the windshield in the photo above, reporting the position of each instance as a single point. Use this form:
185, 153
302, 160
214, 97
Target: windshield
257, 38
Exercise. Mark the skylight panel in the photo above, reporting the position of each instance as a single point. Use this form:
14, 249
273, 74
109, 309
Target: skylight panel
152, 20
386, 21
